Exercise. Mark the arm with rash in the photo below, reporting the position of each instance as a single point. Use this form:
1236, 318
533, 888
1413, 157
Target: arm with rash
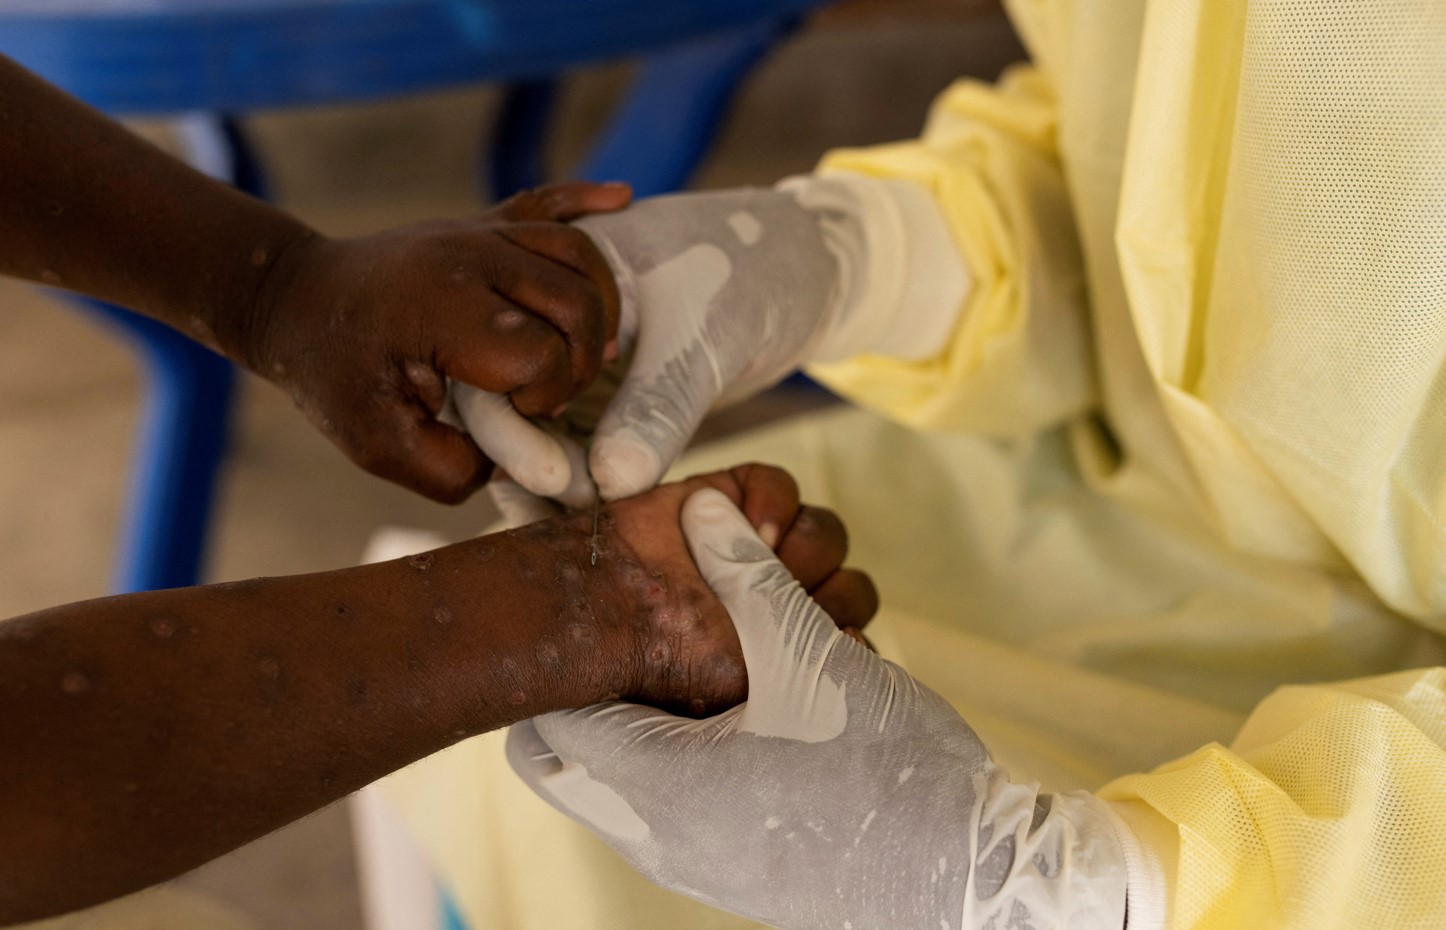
145, 734
362, 333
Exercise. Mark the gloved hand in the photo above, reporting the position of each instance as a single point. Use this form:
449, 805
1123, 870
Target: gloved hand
724, 294
841, 794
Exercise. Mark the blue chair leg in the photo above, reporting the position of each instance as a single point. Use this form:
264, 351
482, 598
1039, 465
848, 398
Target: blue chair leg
451, 914
180, 443
659, 134
184, 421
517, 159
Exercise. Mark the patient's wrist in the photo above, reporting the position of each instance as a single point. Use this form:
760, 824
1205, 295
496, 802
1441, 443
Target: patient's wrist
504, 627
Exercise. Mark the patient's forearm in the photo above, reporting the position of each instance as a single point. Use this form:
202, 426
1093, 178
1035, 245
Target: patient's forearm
142, 735
145, 734
88, 205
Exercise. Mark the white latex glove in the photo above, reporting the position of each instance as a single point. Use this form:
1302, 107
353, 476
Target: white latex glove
724, 294
842, 794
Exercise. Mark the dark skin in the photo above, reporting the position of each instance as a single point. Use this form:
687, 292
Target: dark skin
148, 733
363, 333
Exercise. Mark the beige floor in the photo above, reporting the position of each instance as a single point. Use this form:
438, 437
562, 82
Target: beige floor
289, 502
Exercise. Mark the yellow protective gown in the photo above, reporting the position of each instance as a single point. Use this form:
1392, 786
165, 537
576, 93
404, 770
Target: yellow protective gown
1184, 457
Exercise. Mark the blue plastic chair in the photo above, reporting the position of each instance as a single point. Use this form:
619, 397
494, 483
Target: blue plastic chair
218, 59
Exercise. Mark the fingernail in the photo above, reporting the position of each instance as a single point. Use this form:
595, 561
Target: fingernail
768, 532
617, 185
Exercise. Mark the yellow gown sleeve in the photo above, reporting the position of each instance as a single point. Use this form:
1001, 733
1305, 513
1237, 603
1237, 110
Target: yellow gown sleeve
1282, 264
1328, 811
1019, 359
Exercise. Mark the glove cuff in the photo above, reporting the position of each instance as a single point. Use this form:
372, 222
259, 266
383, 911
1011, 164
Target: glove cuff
1055, 858
1095, 896
902, 281
1148, 843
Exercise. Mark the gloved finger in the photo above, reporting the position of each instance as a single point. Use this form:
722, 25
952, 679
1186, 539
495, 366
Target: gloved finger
786, 638
542, 770
528, 753
849, 598
519, 506
580, 762
573, 249
653, 416
507, 350
604, 735
580, 491
532, 758
565, 201
533, 457
567, 301
426, 456
815, 546
770, 500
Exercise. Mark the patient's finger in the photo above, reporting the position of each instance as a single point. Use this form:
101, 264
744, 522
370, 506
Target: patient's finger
849, 598
814, 546
770, 499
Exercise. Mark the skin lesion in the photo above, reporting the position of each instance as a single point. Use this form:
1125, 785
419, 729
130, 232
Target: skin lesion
690, 661
642, 623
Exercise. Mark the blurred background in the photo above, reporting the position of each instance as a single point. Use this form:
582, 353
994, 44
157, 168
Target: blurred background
858, 72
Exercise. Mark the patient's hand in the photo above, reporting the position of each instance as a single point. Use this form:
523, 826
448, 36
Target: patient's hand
668, 640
